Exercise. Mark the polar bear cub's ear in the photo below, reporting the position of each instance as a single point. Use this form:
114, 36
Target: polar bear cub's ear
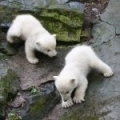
54, 35
55, 77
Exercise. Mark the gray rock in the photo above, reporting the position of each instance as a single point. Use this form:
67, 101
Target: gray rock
103, 32
18, 102
111, 14
42, 103
77, 5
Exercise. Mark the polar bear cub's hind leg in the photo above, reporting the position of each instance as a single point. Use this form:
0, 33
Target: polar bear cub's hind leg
13, 32
102, 67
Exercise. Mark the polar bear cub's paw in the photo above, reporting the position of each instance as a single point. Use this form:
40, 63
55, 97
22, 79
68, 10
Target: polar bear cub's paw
108, 73
67, 103
33, 60
78, 99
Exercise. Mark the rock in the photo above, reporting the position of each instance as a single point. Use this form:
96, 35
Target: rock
4, 27
77, 5
57, 16
111, 14
19, 101
103, 32
41, 104
9, 85
7, 49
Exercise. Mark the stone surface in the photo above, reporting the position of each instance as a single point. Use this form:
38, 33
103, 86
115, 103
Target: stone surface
18, 101
103, 32
9, 85
37, 106
111, 14
33, 75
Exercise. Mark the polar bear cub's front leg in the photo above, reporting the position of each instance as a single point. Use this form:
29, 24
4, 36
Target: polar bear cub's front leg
80, 91
30, 55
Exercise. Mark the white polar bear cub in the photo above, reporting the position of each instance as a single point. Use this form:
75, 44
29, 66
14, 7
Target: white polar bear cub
78, 63
36, 36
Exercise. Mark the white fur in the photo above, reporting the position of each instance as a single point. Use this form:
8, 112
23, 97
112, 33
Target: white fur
78, 63
28, 28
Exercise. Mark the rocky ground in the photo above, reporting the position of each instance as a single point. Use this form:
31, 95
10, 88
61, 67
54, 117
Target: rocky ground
34, 98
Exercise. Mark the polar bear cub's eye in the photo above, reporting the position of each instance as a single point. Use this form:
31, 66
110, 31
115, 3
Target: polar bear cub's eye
67, 92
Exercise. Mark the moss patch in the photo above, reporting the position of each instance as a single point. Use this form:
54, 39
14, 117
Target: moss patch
66, 24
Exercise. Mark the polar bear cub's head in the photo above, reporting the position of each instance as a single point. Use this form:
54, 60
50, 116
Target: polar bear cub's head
65, 86
46, 44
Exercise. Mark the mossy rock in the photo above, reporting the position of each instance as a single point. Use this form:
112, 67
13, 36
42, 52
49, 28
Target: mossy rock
9, 86
66, 23
41, 105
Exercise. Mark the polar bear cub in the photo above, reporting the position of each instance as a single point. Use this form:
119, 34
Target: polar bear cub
78, 63
36, 37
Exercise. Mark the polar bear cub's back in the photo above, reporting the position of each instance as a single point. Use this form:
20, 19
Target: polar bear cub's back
26, 25
81, 54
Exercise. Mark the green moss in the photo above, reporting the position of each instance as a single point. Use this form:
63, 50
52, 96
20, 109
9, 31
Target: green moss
71, 18
66, 24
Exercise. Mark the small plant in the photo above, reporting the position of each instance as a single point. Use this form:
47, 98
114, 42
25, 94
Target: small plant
13, 116
34, 90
